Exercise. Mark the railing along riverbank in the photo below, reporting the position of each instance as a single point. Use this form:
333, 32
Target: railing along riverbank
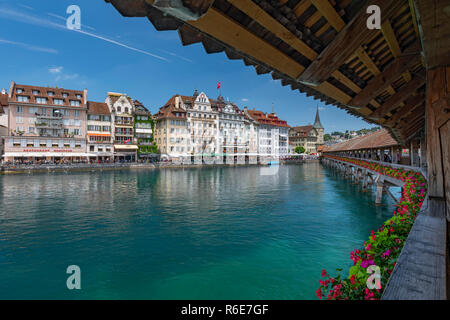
66, 167
405, 257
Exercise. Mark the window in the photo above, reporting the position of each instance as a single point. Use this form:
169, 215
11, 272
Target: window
19, 109
50, 93
74, 103
126, 109
119, 109
41, 100
58, 101
22, 98
35, 92
19, 119
19, 90
65, 95
30, 129
76, 132
77, 113
78, 96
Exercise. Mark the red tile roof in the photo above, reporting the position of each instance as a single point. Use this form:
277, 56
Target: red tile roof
377, 139
98, 108
267, 118
303, 130
43, 92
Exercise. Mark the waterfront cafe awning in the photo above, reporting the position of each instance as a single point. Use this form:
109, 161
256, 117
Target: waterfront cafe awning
125, 147
44, 154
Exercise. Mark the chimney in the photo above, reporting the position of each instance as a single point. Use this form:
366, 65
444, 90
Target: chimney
85, 96
195, 93
3, 91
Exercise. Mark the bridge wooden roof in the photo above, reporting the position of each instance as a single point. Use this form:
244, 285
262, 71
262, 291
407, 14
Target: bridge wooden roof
374, 140
323, 48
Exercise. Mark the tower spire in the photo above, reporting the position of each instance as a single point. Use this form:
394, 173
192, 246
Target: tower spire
317, 123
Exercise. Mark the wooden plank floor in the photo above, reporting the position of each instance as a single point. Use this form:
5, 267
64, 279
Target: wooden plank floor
420, 272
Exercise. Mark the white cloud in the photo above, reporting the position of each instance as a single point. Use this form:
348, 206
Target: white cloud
60, 75
244, 99
28, 46
55, 70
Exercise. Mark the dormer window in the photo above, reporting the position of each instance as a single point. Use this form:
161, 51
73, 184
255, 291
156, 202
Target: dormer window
74, 103
50, 93
65, 95
19, 90
78, 96
58, 101
35, 92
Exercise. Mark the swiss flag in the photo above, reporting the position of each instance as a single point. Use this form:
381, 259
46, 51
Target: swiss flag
218, 86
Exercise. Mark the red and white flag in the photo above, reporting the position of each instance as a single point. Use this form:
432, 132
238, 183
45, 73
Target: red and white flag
218, 86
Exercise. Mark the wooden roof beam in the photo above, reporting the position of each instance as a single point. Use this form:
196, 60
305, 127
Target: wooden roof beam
223, 28
267, 21
435, 33
391, 39
399, 97
327, 10
379, 83
410, 105
349, 39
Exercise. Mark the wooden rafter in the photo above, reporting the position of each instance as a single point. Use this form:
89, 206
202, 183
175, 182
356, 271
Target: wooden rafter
391, 39
327, 10
267, 21
410, 105
399, 97
379, 83
435, 31
346, 43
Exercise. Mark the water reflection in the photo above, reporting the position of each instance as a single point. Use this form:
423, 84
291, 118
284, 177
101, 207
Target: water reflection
210, 233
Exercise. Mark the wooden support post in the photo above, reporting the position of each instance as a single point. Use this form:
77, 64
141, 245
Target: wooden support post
380, 188
411, 153
438, 137
365, 179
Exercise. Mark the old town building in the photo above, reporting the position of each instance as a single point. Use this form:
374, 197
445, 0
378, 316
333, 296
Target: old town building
99, 139
122, 115
309, 137
143, 131
171, 133
273, 135
45, 124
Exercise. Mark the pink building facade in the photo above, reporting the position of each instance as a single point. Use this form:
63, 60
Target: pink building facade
45, 124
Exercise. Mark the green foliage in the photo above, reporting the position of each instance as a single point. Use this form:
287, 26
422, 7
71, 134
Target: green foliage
299, 150
383, 247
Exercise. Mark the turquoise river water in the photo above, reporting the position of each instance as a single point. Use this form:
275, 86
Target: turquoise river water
210, 233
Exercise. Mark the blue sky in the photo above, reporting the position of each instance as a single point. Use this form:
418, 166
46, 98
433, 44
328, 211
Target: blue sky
114, 53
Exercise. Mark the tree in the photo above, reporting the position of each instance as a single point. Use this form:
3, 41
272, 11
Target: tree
299, 150
327, 137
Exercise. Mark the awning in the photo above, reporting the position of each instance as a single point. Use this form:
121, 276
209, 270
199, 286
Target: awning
125, 146
99, 134
44, 154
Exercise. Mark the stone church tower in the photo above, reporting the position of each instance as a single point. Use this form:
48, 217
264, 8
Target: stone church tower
318, 126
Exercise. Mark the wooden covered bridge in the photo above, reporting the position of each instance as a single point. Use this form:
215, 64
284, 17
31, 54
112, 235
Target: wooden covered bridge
397, 75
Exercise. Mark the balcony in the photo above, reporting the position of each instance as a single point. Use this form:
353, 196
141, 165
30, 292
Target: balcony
56, 116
